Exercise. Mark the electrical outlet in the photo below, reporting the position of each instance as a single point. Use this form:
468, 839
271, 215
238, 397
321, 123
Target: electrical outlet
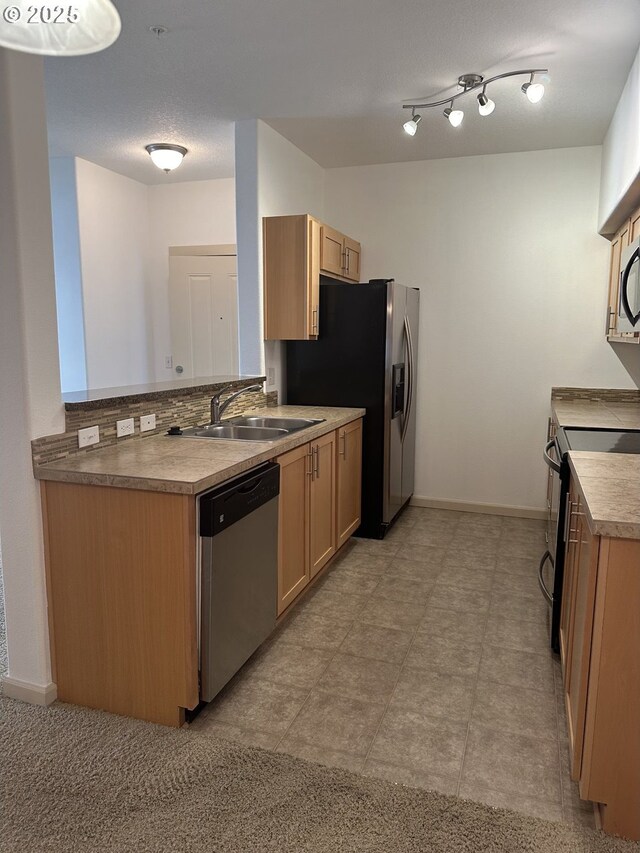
147, 422
168, 362
88, 435
124, 427
271, 376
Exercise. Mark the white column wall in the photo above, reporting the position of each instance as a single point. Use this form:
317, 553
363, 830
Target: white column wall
29, 380
273, 178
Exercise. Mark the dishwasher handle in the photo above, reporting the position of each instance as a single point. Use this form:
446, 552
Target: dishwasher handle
227, 504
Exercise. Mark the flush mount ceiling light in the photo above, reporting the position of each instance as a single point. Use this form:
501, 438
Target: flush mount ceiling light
411, 126
87, 26
165, 156
469, 83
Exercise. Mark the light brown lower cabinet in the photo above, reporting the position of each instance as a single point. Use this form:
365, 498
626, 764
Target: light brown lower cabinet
322, 502
293, 524
601, 671
349, 480
121, 580
319, 506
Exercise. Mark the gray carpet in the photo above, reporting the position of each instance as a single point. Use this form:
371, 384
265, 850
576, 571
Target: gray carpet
79, 780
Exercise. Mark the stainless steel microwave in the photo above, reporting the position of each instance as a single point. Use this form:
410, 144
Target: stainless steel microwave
629, 290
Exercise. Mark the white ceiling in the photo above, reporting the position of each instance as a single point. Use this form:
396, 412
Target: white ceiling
330, 75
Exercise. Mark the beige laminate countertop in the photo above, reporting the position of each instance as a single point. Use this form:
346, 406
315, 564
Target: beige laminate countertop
609, 483
188, 466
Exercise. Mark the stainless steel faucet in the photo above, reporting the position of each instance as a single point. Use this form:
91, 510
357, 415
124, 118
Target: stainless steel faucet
217, 409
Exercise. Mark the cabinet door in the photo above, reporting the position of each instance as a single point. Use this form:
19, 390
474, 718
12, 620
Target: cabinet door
349, 480
580, 638
293, 527
351, 259
634, 226
619, 242
611, 761
291, 277
332, 251
322, 504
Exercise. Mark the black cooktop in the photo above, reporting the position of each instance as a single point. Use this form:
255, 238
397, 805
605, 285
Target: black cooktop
603, 440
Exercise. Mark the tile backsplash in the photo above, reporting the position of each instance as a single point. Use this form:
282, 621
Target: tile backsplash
188, 407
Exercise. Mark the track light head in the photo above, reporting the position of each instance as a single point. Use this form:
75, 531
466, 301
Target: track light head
455, 116
533, 91
411, 126
485, 105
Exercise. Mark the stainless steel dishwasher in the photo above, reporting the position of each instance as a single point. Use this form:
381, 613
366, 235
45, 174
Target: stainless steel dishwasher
238, 525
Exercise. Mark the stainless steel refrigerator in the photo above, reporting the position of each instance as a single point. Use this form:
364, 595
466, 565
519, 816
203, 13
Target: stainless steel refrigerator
366, 355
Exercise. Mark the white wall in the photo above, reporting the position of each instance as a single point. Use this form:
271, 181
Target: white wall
513, 277
112, 237
29, 381
620, 183
194, 213
113, 227
274, 178
68, 273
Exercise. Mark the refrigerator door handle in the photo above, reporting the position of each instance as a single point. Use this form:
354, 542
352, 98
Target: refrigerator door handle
407, 414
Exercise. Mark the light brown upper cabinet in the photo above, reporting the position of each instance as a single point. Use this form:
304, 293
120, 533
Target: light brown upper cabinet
296, 250
629, 232
339, 255
349, 480
291, 263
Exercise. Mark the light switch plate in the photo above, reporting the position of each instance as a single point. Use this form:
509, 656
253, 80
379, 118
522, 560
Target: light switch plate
124, 427
88, 435
147, 423
271, 376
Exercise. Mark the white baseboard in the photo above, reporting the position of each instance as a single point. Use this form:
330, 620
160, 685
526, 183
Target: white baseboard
488, 509
35, 694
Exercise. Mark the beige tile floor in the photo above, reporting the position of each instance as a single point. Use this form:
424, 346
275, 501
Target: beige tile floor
422, 659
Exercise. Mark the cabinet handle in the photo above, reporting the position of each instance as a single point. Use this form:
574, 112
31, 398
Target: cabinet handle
567, 516
611, 327
343, 439
314, 321
309, 473
347, 254
316, 469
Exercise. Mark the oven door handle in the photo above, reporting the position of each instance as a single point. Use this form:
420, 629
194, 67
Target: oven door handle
543, 586
555, 466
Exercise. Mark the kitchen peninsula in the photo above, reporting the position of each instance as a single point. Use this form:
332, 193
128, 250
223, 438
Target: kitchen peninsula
121, 543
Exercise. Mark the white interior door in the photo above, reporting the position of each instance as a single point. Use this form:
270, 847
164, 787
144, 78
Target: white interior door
203, 300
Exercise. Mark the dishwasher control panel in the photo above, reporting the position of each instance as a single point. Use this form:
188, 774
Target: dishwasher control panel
229, 503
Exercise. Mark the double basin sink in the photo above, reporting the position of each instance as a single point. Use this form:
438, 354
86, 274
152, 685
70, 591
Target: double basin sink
252, 428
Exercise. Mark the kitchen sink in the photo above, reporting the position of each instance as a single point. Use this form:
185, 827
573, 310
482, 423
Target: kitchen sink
235, 432
288, 424
251, 428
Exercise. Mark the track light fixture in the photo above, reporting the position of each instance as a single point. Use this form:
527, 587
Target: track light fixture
411, 126
469, 83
